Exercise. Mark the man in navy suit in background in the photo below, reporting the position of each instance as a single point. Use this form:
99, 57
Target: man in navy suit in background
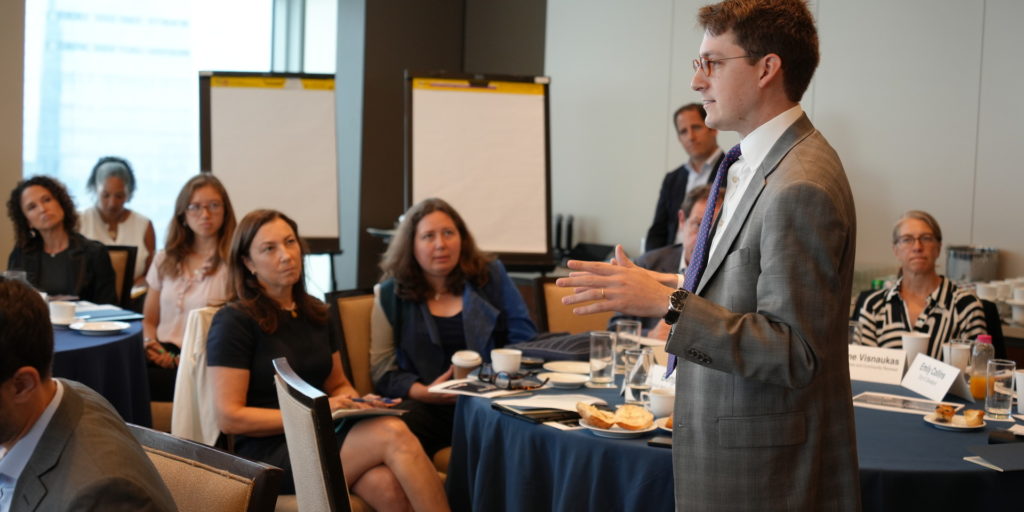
701, 143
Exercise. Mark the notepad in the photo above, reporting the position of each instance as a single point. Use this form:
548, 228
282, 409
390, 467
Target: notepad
1000, 457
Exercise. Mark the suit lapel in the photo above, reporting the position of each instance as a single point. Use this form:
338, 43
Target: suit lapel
30, 489
789, 139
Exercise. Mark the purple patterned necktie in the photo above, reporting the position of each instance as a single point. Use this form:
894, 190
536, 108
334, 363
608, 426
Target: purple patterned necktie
699, 258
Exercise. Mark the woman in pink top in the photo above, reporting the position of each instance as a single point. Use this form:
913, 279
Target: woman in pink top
188, 274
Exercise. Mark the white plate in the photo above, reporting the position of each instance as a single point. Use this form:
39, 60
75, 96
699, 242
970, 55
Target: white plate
616, 432
580, 367
660, 423
99, 328
956, 425
563, 380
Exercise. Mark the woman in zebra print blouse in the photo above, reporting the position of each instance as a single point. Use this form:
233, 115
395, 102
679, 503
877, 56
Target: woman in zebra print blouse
922, 300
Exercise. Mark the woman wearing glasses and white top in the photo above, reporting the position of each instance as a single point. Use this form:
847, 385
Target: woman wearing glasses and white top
922, 300
189, 273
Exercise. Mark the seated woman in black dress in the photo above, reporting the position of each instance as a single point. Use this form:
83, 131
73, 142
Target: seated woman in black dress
439, 294
272, 316
44, 218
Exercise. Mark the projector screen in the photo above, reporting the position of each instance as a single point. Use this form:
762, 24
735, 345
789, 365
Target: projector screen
270, 138
481, 143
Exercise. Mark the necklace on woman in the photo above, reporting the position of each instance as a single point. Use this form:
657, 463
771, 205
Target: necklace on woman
291, 309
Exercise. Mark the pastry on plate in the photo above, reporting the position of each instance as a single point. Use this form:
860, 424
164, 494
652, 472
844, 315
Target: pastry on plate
633, 417
595, 417
973, 417
944, 413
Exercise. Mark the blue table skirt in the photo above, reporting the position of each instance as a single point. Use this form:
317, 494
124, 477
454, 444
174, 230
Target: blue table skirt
502, 463
114, 366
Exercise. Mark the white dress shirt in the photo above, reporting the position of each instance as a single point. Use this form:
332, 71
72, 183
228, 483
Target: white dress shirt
14, 460
697, 178
753, 148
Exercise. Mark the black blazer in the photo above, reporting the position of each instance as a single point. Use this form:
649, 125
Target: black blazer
673, 190
91, 270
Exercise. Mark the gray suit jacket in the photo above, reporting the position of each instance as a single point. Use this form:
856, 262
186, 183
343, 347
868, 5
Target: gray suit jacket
764, 419
88, 460
662, 259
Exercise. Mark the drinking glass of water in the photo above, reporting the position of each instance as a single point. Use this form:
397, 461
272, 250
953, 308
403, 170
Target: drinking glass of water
602, 360
627, 335
999, 397
638, 379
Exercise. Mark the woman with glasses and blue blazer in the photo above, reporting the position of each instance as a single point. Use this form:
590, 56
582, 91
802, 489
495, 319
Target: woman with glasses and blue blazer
439, 294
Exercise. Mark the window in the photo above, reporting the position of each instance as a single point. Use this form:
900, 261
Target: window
120, 77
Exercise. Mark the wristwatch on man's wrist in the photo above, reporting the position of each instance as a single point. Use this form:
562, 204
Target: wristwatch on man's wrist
675, 305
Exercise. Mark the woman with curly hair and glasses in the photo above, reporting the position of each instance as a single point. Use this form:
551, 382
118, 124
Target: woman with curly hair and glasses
55, 257
439, 294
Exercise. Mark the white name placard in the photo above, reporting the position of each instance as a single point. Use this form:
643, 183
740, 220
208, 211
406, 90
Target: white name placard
930, 377
873, 364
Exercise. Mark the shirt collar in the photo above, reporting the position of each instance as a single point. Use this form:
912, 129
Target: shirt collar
13, 463
933, 298
708, 164
756, 144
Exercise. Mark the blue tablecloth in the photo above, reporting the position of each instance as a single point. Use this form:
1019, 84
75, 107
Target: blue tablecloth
502, 463
114, 366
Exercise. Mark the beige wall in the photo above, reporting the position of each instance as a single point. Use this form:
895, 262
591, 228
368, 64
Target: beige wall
12, 44
923, 104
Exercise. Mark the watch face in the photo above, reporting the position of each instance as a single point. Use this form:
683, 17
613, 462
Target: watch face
677, 299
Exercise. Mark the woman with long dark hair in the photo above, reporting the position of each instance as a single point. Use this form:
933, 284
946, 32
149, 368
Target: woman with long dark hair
272, 316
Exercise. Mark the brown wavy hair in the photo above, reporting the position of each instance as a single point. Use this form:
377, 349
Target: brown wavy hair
248, 293
783, 27
399, 261
180, 237
26, 236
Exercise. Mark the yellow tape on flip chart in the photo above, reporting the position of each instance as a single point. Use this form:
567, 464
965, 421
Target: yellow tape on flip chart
323, 84
449, 84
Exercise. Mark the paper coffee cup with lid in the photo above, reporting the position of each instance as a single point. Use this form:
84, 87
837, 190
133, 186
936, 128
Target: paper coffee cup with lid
465, 361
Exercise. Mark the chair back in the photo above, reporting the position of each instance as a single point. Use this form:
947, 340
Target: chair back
350, 322
202, 478
994, 327
312, 447
122, 258
194, 416
557, 317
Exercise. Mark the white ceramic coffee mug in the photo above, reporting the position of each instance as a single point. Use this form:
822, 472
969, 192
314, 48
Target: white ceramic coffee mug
986, 291
914, 343
958, 354
506, 360
62, 311
661, 400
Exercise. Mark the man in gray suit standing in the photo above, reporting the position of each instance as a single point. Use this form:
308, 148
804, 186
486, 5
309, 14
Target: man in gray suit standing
763, 413
62, 446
